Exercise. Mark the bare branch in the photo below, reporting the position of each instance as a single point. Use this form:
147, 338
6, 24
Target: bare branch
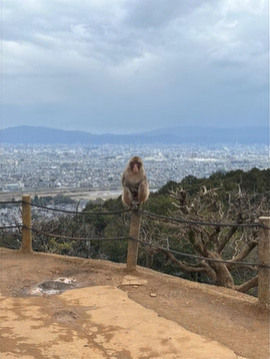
226, 239
247, 285
229, 235
248, 247
223, 276
209, 271
213, 237
181, 264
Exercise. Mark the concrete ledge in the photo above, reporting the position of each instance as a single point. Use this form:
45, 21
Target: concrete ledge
96, 322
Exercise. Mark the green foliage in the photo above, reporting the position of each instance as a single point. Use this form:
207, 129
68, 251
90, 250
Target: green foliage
169, 186
180, 238
60, 198
159, 204
253, 181
58, 247
113, 204
42, 201
10, 240
115, 251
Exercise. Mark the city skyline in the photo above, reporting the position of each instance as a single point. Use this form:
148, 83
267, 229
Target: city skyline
39, 166
134, 66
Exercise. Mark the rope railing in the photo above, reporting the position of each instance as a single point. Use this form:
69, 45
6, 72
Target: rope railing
10, 202
76, 212
73, 238
134, 240
192, 256
66, 211
11, 226
202, 223
148, 214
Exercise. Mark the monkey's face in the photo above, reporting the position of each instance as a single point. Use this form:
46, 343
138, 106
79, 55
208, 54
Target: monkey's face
135, 166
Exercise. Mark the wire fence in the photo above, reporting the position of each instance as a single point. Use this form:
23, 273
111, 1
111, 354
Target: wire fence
263, 265
11, 226
201, 223
146, 214
74, 238
213, 260
143, 213
77, 212
11, 202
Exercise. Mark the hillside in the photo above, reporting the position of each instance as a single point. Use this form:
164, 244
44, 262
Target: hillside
176, 135
228, 317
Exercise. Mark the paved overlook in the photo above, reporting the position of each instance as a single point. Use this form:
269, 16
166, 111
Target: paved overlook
109, 313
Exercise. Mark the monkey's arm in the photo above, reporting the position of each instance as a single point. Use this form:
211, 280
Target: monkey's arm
123, 179
143, 191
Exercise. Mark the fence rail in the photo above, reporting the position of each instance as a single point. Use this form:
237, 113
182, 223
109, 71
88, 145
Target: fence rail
146, 214
263, 224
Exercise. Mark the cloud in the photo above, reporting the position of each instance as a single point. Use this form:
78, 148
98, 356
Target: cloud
139, 62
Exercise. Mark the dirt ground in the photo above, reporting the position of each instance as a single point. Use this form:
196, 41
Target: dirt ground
230, 318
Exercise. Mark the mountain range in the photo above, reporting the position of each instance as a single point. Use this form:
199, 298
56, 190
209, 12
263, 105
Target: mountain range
176, 135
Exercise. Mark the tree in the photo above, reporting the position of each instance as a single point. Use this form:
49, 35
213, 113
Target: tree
232, 244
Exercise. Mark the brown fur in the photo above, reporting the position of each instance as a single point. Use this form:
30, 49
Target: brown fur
135, 185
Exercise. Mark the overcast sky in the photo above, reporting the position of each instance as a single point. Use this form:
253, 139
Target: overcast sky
124, 66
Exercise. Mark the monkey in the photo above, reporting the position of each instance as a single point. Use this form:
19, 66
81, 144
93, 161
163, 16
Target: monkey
135, 184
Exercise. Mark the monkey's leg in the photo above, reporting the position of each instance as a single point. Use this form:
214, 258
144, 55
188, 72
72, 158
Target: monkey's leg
143, 192
127, 197
135, 203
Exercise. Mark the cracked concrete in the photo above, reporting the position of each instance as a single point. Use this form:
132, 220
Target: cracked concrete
96, 322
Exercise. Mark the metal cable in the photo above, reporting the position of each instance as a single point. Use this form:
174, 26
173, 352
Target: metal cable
202, 258
201, 223
148, 214
10, 202
74, 212
153, 246
12, 226
178, 220
76, 238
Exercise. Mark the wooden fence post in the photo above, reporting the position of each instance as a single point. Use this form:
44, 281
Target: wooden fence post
133, 245
26, 222
264, 258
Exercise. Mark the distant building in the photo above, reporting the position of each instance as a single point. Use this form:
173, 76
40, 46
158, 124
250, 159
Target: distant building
13, 186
